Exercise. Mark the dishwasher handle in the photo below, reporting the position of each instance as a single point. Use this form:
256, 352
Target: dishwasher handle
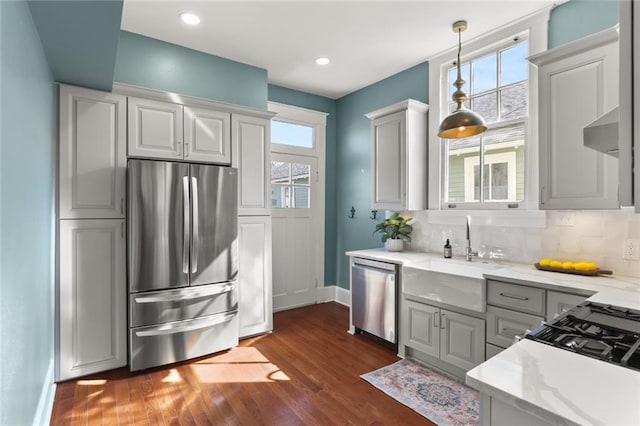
366, 263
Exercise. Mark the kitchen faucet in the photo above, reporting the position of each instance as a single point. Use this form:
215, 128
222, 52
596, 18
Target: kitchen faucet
468, 253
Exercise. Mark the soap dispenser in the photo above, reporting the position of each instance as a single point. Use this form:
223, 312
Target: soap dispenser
447, 250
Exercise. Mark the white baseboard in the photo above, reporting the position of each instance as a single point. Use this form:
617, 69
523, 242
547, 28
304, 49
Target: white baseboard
334, 293
45, 404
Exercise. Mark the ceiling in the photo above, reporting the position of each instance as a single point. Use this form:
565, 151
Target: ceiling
366, 41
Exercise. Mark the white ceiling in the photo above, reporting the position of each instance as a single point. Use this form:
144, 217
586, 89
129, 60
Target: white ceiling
366, 41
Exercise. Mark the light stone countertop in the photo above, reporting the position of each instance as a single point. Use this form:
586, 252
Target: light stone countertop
553, 384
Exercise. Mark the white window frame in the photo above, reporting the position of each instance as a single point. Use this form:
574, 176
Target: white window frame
534, 27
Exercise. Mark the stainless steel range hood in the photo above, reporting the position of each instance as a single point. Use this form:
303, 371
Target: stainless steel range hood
602, 134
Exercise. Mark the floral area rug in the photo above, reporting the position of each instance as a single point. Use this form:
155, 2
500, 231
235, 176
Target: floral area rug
436, 397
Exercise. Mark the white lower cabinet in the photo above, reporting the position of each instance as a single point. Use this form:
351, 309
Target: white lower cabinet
254, 290
92, 306
455, 338
558, 303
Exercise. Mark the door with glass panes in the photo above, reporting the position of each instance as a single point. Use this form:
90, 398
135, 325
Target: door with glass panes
294, 180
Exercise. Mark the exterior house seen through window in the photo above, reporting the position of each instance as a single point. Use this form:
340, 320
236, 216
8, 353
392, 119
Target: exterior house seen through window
497, 86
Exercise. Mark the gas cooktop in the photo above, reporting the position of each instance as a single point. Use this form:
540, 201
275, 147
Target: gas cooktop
605, 332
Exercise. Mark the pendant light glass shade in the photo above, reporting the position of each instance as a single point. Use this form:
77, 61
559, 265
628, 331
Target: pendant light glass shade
462, 122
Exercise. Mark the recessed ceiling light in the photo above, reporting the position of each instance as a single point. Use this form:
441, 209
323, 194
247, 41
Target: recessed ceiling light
190, 18
322, 61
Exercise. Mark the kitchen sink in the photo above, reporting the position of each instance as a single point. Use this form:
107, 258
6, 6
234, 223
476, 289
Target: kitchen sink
451, 281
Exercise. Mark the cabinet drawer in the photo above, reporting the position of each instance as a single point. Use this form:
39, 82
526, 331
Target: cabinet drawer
517, 297
493, 350
558, 303
503, 325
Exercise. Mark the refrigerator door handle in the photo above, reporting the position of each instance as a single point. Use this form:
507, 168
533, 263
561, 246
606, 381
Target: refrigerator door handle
185, 221
168, 296
195, 242
184, 326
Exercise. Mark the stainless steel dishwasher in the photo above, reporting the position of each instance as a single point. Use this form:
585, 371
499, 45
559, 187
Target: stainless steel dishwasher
374, 298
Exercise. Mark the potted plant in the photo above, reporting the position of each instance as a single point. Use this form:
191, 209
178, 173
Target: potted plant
395, 229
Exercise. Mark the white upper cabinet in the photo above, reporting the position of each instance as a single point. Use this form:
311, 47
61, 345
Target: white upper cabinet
578, 82
155, 129
174, 132
251, 155
93, 155
399, 156
207, 135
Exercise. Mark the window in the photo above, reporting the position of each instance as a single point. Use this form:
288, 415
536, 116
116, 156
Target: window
497, 86
298, 135
290, 185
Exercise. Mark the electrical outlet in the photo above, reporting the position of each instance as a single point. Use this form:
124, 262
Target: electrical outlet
566, 218
631, 250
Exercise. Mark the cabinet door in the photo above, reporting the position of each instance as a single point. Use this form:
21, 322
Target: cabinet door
462, 340
558, 303
388, 160
155, 129
421, 328
92, 305
254, 289
504, 325
93, 156
251, 155
207, 135
574, 91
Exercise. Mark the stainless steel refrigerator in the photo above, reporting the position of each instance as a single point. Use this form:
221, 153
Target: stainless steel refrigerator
182, 261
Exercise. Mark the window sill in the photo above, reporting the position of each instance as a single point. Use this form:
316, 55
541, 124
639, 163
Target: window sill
497, 218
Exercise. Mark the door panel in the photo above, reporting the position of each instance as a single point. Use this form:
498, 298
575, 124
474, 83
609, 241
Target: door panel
93, 155
214, 224
158, 238
92, 297
294, 199
388, 161
155, 129
462, 340
422, 329
207, 135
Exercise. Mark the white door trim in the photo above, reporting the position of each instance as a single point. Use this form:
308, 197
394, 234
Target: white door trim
318, 120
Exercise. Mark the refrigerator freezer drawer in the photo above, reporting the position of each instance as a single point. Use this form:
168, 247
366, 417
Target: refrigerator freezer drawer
158, 307
153, 346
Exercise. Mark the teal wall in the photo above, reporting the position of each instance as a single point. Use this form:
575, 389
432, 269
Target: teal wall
27, 141
578, 18
320, 103
354, 159
151, 63
80, 39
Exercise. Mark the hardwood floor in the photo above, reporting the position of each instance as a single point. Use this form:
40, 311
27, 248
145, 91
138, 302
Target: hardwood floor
304, 373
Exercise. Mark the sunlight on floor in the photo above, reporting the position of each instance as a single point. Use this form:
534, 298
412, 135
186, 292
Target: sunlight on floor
98, 382
239, 365
172, 377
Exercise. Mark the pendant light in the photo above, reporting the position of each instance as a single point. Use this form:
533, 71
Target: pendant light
462, 122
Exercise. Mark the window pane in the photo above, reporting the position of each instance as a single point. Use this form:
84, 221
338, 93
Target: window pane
300, 173
513, 102
486, 106
463, 154
280, 196
504, 154
485, 74
301, 197
513, 64
453, 74
280, 172
499, 181
291, 134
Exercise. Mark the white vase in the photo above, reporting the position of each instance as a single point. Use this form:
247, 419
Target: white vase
394, 244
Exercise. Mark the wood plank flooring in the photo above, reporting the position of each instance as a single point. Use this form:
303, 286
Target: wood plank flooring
304, 373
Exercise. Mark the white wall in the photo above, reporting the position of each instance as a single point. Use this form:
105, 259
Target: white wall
596, 236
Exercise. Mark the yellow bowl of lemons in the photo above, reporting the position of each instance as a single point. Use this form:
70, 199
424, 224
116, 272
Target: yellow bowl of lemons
582, 267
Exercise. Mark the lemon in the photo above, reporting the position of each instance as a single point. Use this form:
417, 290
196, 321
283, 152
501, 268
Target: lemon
555, 264
580, 266
590, 266
567, 265
545, 262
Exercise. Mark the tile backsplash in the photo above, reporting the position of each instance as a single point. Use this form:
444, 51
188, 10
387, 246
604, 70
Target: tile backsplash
595, 236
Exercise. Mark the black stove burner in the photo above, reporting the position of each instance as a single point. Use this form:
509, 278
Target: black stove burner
577, 331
